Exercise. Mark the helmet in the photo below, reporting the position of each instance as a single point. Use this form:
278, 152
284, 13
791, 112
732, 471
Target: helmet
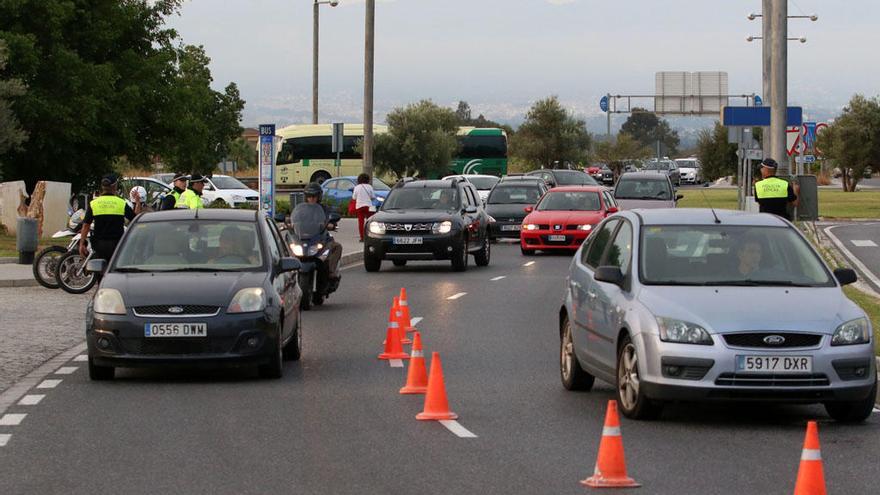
313, 189
142, 194
76, 219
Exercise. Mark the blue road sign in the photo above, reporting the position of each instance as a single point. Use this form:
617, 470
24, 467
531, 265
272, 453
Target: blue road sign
603, 103
809, 134
757, 116
758, 101
267, 169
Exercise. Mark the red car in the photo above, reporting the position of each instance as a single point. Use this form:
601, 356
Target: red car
564, 217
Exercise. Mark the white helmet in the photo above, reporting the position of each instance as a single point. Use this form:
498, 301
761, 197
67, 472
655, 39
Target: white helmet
141, 192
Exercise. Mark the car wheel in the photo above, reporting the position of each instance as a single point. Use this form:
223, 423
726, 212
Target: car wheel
100, 373
853, 411
526, 252
630, 394
293, 349
573, 376
460, 258
399, 262
372, 263
275, 367
484, 255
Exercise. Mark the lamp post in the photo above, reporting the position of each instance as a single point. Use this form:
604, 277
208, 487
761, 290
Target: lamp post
369, 50
333, 3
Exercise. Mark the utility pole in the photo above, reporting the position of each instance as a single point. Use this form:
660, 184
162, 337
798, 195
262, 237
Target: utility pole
315, 64
369, 48
779, 86
766, 15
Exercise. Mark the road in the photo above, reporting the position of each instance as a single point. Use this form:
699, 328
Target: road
860, 242
336, 424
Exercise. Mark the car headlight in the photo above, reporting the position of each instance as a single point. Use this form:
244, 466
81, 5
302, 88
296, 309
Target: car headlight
586, 227
683, 332
297, 249
247, 301
377, 228
109, 302
852, 332
529, 226
443, 227
380, 199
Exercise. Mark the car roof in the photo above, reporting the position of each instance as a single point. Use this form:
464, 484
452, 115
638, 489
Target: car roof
704, 216
466, 176
428, 183
644, 175
203, 214
595, 189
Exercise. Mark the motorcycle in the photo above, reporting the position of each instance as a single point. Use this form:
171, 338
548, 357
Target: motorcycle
314, 274
46, 261
71, 270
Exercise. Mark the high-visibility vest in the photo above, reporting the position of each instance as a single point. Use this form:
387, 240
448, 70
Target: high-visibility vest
771, 187
190, 200
108, 205
176, 196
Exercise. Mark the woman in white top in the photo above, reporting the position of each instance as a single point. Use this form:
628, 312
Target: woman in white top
363, 196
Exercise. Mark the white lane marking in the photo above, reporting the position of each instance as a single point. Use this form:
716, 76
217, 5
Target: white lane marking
66, 370
11, 395
866, 243
31, 399
456, 296
11, 419
396, 363
530, 263
81, 358
415, 321
460, 431
49, 384
4, 439
495, 279
851, 257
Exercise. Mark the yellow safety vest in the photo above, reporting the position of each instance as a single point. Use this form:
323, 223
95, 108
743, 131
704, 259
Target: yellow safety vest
176, 196
771, 187
108, 205
190, 200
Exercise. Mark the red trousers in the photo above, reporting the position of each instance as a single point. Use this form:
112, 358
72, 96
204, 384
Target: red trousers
363, 214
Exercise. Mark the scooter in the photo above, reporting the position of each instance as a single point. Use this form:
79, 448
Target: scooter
46, 261
314, 278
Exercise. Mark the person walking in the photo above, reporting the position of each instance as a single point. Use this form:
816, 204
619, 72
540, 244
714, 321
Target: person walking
169, 202
774, 194
192, 197
363, 196
109, 213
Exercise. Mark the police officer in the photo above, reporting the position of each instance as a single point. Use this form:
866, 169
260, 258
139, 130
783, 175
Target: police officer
109, 213
169, 202
772, 193
192, 197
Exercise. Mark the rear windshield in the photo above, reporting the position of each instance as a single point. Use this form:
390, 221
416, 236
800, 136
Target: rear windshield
574, 178
483, 183
570, 201
642, 188
422, 198
514, 195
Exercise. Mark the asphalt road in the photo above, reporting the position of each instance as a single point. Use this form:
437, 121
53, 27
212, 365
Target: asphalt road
336, 424
861, 241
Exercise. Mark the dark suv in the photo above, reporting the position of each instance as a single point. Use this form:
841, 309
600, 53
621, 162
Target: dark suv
429, 220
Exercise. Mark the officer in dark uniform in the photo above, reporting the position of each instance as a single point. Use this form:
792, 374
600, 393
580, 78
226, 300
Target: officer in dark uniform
772, 193
169, 202
109, 213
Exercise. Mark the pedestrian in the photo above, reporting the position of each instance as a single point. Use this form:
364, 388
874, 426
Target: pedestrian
774, 194
109, 213
363, 196
192, 197
169, 202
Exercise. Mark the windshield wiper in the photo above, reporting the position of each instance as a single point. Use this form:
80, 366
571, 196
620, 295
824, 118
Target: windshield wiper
674, 282
756, 283
199, 269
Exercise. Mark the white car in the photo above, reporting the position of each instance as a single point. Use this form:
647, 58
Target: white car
230, 190
483, 183
691, 170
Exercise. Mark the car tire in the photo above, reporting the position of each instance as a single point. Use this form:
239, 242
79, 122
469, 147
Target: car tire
573, 376
526, 252
100, 373
484, 255
372, 263
631, 398
274, 369
399, 262
293, 350
852, 411
460, 258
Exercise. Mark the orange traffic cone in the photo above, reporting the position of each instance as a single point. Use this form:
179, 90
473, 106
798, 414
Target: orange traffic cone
436, 405
811, 478
403, 304
417, 375
610, 471
393, 348
397, 314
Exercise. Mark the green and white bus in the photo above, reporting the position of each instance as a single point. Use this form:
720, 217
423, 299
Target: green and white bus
305, 154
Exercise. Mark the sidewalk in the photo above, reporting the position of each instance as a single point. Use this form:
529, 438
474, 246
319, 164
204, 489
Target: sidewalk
15, 275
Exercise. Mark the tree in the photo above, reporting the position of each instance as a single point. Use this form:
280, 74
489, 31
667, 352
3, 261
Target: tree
550, 133
463, 113
717, 156
852, 141
11, 134
647, 128
616, 153
421, 141
464, 116
242, 153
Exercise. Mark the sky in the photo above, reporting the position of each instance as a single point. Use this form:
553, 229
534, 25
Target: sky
501, 55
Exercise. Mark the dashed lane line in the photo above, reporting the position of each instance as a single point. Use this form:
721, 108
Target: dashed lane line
31, 399
415, 321
66, 370
11, 419
81, 358
49, 384
863, 243
456, 428
495, 279
12, 394
530, 263
456, 296
4, 439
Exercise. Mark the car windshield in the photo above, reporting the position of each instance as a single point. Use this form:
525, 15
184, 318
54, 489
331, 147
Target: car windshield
514, 195
643, 189
661, 165
483, 183
422, 198
570, 201
729, 255
574, 178
227, 183
190, 245
378, 185
686, 163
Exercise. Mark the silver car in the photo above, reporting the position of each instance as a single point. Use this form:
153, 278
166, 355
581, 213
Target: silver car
691, 304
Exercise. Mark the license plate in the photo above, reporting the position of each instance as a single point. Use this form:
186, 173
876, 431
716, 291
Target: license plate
774, 364
408, 240
511, 227
176, 330
556, 238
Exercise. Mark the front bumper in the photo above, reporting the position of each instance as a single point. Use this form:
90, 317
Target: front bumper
540, 239
432, 246
502, 229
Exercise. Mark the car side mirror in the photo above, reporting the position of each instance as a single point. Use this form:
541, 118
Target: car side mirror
333, 218
613, 209
529, 209
609, 274
96, 266
845, 276
679, 196
470, 209
289, 265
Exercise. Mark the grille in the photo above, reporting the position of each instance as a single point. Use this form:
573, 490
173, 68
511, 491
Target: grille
413, 227
177, 346
252, 198
188, 309
756, 339
755, 380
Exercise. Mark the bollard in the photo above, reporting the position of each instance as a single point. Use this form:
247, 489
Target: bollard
26, 240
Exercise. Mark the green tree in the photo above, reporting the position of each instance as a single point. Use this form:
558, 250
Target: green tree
242, 153
464, 116
11, 134
550, 133
463, 113
616, 153
852, 141
421, 141
717, 156
647, 128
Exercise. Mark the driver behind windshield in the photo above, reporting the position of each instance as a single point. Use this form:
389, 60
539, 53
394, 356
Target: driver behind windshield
232, 249
310, 219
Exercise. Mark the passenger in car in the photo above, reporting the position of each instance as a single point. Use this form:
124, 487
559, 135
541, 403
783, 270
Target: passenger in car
749, 257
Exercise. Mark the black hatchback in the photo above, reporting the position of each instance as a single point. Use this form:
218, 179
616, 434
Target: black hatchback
429, 220
196, 287
507, 205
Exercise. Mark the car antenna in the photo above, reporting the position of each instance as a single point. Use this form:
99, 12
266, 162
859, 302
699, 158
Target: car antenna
717, 220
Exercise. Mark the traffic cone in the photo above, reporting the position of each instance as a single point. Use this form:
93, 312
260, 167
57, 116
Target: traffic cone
810, 478
398, 317
610, 470
393, 348
436, 406
403, 304
417, 375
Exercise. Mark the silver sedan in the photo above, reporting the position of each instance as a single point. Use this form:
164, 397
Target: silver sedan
691, 304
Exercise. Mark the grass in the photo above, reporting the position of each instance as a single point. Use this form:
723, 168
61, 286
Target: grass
832, 203
7, 245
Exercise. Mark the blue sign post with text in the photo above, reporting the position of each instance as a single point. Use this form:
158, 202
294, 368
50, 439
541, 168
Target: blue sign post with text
267, 169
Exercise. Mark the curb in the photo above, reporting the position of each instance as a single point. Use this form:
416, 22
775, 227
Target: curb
349, 259
19, 283
8, 261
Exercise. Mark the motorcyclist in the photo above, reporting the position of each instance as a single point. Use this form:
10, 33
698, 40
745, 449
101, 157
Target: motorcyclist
310, 219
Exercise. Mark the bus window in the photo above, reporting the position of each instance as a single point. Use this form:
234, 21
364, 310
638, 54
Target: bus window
294, 150
483, 146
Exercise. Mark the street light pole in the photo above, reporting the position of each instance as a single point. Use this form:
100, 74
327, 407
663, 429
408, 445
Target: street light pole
779, 86
315, 13
766, 14
369, 49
